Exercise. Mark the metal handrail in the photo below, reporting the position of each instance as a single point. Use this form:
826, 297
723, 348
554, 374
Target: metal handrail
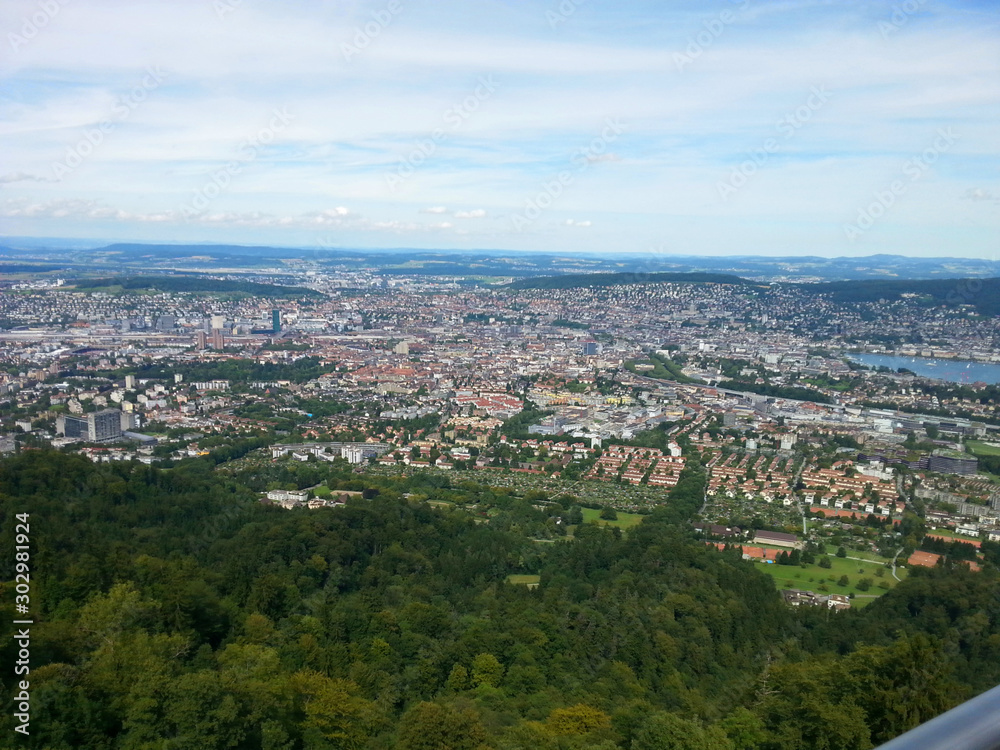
973, 725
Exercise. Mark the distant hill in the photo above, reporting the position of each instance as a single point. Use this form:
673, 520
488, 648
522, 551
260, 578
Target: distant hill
134, 249
484, 263
577, 280
195, 284
30, 267
983, 294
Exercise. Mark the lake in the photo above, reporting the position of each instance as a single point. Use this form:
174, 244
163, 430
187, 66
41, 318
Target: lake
953, 370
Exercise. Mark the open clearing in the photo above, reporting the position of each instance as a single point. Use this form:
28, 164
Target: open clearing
625, 520
811, 577
525, 580
983, 449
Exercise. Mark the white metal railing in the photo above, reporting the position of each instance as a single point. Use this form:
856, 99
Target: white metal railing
974, 725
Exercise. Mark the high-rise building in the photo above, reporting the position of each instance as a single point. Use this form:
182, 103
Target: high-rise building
218, 340
104, 425
97, 427
71, 427
953, 462
276, 321
201, 340
356, 454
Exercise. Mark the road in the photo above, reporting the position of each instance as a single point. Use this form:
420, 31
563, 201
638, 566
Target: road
894, 564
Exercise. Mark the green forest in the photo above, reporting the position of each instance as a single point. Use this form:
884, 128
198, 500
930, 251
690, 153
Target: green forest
174, 610
663, 369
193, 284
239, 371
795, 392
573, 281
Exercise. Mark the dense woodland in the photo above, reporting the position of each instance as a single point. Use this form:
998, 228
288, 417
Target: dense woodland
193, 284
598, 280
173, 610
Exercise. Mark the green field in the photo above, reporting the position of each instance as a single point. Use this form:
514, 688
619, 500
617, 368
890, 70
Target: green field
625, 520
976, 446
524, 580
799, 577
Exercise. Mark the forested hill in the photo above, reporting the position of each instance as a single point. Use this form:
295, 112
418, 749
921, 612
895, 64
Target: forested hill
573, 281
983, 294
194, 284
173, 610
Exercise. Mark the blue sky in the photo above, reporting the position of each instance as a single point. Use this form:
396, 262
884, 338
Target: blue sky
780, 128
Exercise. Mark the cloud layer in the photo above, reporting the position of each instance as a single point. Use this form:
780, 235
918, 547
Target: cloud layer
735, 127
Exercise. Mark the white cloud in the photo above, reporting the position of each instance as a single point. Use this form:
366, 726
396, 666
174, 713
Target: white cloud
980, 194
10, 177
90, 210
413, 90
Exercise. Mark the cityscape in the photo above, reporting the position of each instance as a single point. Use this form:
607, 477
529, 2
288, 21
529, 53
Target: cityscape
604, 398
495, 375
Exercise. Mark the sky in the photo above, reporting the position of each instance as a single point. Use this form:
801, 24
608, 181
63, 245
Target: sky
718, 127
